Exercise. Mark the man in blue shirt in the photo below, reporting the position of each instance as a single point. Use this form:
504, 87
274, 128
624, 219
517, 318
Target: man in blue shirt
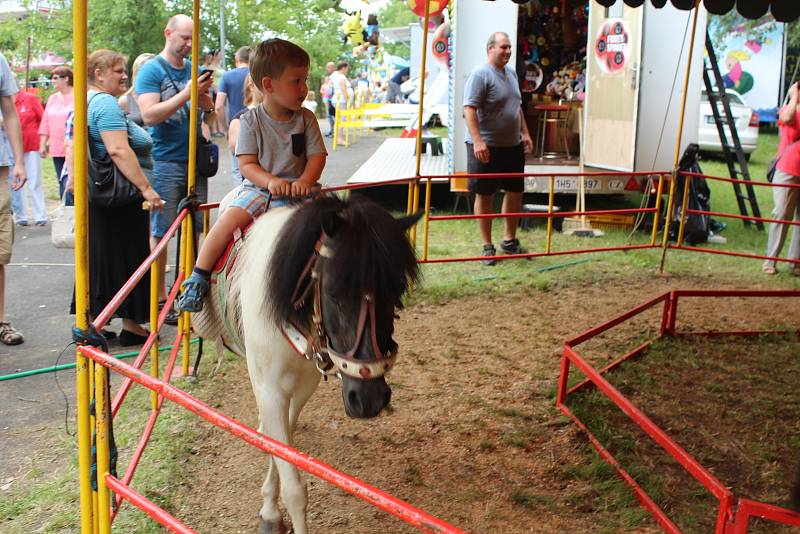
232, 85
164, 89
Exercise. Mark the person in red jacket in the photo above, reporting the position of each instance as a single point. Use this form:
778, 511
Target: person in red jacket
30, 112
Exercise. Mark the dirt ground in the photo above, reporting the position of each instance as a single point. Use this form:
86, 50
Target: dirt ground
472, 437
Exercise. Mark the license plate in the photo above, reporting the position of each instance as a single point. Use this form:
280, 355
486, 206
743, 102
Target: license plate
572, 183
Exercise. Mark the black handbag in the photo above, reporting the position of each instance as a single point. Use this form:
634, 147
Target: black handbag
774, 163
207, 157
108, 186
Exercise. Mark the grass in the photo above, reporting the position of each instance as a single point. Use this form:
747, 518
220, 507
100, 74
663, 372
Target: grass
723, 402
46, 498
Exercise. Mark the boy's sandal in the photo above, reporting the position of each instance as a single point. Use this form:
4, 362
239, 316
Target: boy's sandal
194, 290
10, 335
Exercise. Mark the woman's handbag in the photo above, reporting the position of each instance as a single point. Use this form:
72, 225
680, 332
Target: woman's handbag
62, 226
108, 186
774, 163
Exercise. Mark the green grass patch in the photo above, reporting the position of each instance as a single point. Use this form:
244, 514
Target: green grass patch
46, 499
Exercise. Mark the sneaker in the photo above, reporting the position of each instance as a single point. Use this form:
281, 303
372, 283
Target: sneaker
489, 250
41, 223
22, 222
194, 290
513, 247
10, 335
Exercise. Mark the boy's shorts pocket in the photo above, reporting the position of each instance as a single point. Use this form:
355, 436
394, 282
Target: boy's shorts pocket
298, 144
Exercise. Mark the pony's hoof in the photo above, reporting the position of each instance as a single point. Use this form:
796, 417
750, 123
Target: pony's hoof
270, 527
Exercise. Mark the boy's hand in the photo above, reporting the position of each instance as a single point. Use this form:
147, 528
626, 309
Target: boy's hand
279, 187
301, 188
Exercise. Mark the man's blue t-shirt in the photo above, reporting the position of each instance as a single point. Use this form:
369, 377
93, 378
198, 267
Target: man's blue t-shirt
171, 137
232, 84
405, 72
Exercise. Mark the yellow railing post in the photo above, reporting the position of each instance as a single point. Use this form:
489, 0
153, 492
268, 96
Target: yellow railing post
79, 53
687, 180
657, 214
670, 204
188, 222
550, 199
102, 444
154, 292
428, 183
415, 189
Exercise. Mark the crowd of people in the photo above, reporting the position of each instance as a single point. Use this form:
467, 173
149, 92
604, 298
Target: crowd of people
264, 108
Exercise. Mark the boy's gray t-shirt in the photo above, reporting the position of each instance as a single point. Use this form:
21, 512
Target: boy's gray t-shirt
497, 98
282, 147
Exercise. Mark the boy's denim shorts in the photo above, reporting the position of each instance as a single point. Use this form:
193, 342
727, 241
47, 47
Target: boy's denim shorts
169, 181
255, 200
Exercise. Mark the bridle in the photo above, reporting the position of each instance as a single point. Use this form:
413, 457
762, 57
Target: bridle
317, 347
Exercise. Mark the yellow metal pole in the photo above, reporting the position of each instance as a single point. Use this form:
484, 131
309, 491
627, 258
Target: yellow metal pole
206, 222
656, 215
154, 292
193, 123
550, 199
686, 184
409, 203
79, 53
670, 203
425, 20
103, 455
427, 217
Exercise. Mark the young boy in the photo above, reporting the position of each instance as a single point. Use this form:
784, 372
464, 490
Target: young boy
280, 153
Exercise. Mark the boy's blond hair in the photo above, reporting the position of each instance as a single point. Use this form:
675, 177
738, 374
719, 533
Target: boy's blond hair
273, 56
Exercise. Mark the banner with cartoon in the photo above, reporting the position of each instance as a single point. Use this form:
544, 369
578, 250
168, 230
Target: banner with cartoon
750, 59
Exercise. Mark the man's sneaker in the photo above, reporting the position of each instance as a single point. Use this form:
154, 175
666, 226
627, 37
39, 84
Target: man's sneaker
194, 290
513, 247
489, 250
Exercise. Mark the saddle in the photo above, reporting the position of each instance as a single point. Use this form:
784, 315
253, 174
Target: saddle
218, 293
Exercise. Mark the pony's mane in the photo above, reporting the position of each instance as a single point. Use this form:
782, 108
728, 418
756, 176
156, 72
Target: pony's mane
371, 254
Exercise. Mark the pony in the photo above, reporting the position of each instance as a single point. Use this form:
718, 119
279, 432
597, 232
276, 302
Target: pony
311, 289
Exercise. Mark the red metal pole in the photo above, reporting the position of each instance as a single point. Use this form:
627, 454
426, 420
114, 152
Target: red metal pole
161, 516
126, 289
374, 496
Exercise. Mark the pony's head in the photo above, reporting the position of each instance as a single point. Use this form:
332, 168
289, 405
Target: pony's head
361, 266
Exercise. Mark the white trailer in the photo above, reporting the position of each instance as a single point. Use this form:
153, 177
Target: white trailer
630, 115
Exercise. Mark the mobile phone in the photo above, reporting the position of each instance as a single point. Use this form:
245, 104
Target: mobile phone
203, 73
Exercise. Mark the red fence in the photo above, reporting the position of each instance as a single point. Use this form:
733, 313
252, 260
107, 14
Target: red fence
669, 302
163, 389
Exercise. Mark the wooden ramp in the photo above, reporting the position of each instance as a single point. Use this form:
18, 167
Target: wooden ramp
395, 159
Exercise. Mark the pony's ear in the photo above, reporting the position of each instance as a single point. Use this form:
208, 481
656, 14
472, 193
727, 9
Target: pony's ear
410, 220
332, 223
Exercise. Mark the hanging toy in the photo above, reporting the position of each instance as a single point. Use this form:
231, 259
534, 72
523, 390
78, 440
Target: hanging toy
353, 29
418, 6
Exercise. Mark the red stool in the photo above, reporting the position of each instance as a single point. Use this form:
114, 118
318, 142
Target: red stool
552, 122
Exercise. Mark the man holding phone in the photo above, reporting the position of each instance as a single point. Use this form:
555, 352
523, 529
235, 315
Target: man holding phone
164, 89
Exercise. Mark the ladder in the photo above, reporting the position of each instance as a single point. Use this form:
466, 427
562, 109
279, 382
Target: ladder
734, 155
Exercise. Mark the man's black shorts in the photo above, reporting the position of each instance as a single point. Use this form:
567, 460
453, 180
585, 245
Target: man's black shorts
501, 160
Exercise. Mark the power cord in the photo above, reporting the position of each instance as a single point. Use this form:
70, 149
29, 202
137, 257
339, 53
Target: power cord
58, 385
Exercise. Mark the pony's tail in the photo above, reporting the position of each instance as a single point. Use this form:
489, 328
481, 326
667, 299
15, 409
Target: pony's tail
796, 491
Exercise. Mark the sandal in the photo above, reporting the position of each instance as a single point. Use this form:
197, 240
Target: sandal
10, 335
769, 269
796, 270
194, 289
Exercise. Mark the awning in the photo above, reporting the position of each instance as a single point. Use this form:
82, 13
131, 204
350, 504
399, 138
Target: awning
782, 10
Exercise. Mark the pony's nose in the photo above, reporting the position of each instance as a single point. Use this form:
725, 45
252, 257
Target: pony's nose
365, 398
